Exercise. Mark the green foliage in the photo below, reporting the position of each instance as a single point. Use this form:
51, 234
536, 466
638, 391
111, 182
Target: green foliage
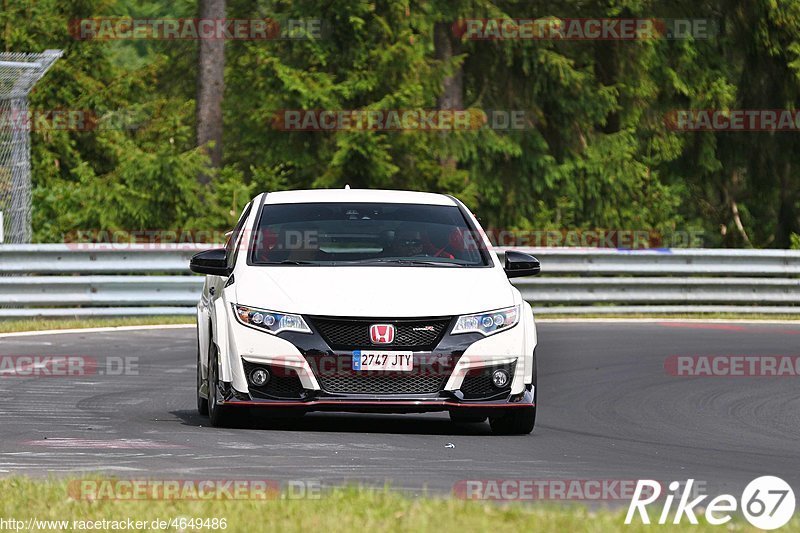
596, 152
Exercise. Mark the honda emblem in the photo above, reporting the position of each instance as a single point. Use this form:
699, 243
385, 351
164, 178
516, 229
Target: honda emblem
381, 333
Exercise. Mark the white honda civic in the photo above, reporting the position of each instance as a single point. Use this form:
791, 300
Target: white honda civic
364, 300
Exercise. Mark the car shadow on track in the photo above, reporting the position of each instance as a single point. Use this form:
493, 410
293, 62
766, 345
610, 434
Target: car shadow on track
409, 424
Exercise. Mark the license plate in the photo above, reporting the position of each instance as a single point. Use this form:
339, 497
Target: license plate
396, 361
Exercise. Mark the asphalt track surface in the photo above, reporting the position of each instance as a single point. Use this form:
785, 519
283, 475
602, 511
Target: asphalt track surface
607, 410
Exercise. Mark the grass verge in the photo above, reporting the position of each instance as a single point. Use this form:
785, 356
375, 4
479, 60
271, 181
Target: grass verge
41, 324
346, 509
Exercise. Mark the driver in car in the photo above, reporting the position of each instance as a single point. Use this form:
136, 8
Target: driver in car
406, 243
410, 243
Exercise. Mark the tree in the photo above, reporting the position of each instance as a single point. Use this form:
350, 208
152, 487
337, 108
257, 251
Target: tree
595, 152
446, 47
210, 87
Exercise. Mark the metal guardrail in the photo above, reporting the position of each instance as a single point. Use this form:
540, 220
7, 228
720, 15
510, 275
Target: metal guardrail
92, 280
95, 259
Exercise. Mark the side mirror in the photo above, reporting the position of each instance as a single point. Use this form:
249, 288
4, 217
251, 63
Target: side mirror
212, 262
519, 264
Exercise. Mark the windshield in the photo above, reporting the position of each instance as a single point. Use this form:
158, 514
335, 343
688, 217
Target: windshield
366, 234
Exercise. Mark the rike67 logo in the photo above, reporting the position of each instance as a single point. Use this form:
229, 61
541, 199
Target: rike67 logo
767, 503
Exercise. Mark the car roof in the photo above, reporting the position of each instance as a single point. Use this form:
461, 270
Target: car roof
357, 195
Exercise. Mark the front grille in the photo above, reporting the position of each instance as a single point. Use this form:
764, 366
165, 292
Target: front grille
283, 382
419, 334
478, 382
382, 383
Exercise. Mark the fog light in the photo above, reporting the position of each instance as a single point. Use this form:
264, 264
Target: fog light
259, 377
500, 378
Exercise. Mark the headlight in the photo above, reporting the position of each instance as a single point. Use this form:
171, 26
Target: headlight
488, 323
270, 321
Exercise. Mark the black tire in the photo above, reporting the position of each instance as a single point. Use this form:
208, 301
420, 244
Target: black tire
517, 420
202, 403
219, 415
466, 418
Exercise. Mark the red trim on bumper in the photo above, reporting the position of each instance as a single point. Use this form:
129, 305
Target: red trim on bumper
375, 403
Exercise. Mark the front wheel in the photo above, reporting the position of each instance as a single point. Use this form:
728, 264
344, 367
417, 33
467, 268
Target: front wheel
465, 418
515, 421
202, 403
219, 415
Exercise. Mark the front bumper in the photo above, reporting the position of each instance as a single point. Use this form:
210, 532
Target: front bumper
461, 360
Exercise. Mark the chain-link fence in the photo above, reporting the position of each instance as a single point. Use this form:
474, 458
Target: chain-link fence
18, 74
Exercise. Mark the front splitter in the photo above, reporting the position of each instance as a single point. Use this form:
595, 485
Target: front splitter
373, 405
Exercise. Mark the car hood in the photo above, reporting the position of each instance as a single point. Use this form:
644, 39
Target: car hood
385, 291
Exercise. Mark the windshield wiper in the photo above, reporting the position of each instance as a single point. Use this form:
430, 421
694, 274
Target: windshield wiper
408, 262
290, 262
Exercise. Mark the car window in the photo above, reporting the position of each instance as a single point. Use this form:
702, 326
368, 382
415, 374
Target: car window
366, 233
233, 238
